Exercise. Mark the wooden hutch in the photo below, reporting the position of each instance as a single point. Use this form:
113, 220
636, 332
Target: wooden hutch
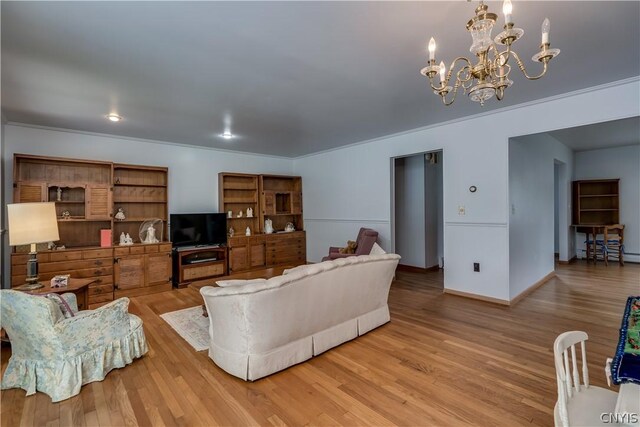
86, 194
274, 197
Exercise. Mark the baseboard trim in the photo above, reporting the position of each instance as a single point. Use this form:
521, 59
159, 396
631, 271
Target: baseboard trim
571, 261
477, 297
412, 269
532, 288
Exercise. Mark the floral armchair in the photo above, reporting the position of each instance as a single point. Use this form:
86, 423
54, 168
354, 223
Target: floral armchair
58, 355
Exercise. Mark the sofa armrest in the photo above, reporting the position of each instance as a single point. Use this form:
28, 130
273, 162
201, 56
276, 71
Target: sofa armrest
334, 249
93, 328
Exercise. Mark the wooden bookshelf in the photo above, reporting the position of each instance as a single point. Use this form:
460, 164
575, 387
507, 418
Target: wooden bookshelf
596, 202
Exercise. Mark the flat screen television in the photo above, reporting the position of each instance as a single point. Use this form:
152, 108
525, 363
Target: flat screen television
198, 229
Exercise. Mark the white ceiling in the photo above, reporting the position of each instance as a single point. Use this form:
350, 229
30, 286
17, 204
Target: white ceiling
290, 77
615, 133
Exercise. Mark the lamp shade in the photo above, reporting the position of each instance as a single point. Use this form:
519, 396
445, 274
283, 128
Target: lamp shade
32, 223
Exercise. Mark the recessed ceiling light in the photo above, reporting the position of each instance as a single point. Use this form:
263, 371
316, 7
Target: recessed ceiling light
114, 117
227, 135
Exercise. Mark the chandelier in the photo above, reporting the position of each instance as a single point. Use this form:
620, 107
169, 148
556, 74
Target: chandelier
490, 75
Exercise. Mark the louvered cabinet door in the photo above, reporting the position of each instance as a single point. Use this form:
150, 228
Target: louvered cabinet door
296, 203
268, 203
30, 192
98, 202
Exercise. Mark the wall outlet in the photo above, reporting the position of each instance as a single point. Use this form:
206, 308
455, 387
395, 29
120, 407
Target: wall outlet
461, 210
476, 267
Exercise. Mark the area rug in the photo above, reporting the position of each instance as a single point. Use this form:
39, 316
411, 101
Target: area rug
191, 325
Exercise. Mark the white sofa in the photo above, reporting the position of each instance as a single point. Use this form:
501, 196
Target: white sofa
258, 327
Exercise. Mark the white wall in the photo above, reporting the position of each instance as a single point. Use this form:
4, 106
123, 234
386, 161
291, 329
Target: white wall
410, 210
531, 198
623, 163
475, 152
193, 172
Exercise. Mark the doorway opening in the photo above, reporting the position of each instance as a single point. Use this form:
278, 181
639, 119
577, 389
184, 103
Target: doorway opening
417, 212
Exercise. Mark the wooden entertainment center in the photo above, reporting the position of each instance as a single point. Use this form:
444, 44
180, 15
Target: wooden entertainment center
87, 194
274, 197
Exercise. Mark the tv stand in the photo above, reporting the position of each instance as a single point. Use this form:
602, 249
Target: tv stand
198, 264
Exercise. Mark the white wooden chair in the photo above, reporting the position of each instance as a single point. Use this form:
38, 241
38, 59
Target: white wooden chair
578, 404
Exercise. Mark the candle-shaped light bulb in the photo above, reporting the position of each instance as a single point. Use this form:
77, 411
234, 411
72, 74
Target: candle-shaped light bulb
546, 26
442, 71
507, 8
432, 48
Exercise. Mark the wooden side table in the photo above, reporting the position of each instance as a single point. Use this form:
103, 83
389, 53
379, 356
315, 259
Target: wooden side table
80, 287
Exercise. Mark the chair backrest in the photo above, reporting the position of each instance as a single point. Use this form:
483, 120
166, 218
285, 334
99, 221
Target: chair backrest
567, 375
614, 232
365, 240
29, 321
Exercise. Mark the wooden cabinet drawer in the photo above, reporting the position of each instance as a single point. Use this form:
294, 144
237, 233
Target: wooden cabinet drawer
101, 289
164, 247
102, 280
128, 250
237, 241
195, 272
104, 297
49, 267
65, 256
97, 253
149, 249
254, 240
21, 258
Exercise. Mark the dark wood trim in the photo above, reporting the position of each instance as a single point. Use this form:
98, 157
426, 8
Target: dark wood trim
412, 269
571, 261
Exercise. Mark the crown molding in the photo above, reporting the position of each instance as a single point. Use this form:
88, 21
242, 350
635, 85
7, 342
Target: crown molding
150, 141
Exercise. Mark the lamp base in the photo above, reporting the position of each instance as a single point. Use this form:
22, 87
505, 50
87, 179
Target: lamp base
29, 286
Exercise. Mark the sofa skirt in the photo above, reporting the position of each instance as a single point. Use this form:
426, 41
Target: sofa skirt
251, 367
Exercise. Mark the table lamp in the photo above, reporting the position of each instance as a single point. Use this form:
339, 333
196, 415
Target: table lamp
29, 224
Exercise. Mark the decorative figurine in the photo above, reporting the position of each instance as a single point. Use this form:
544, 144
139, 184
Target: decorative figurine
125, 239
151, 235
268, 226
230, 214
66, 215
289, 227
249, 213
59, 194
239, 214
231, 231
120, 215
247, 232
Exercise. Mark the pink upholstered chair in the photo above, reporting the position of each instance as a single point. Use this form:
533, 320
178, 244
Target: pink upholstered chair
365, 240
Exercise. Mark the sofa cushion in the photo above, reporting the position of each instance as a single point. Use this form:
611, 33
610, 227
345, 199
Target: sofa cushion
377, 250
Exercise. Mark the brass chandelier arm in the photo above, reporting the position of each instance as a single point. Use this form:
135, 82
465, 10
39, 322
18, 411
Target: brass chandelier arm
521, 66
450, 72
455, 93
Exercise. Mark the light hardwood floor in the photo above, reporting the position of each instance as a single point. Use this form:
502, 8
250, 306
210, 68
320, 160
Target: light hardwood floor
442, 360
